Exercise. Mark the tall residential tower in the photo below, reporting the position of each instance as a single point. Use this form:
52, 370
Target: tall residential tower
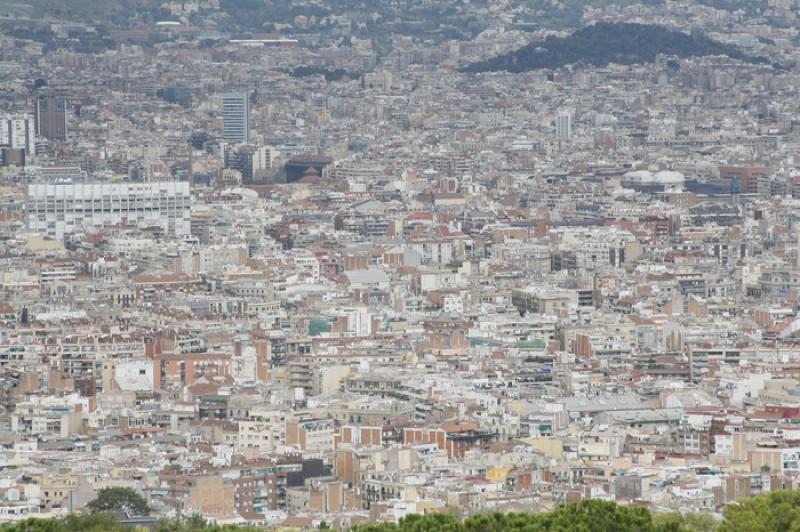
236, 117
564, 125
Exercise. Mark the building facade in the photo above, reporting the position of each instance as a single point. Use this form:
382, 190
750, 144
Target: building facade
61, 209
51, 118
236, 117
17, 132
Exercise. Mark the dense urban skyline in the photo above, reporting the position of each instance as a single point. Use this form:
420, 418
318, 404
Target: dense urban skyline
298, 264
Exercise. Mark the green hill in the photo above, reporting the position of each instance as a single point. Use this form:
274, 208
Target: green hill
605, 43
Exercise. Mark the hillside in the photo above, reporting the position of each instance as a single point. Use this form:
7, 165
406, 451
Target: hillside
605, 43
118, 12
430, 22
378, 20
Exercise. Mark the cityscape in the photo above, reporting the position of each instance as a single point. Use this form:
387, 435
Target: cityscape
384, 265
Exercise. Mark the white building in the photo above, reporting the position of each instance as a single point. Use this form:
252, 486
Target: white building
358, 321
453, 304
60, 209
264, 158
19, 132
236, 117
564, 125
134, 374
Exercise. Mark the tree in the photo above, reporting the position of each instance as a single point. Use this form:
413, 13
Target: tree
777, 511
119, 500
197, 523
434, 522
181, 523
584, 516
688, 522
383, 527
498, 522
94, 522
700, 522
35, 525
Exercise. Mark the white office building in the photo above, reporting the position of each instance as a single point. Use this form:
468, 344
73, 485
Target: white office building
236, 117
61, 209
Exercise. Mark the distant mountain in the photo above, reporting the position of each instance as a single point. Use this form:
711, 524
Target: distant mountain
605, 43
380, 20
30, 20
117, 12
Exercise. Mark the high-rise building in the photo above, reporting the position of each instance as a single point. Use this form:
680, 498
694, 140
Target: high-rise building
17, 132
564, 125
236, 117
60, 209
51, 118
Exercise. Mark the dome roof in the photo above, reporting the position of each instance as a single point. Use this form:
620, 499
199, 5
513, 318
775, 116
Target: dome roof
667, 176
642, 176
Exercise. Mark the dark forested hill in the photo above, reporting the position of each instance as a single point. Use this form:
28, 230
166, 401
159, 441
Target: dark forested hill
605, 43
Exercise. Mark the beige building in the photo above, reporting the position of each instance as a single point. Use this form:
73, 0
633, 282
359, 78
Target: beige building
265, 429
211, 496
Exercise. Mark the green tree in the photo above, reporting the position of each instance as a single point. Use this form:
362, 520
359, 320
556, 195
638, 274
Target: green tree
119, 500
35, 525
595, 515
94, 522
383, 527
197, 523
693, 522
500, 522
584, 516
437, 522
181, 523
777, 511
